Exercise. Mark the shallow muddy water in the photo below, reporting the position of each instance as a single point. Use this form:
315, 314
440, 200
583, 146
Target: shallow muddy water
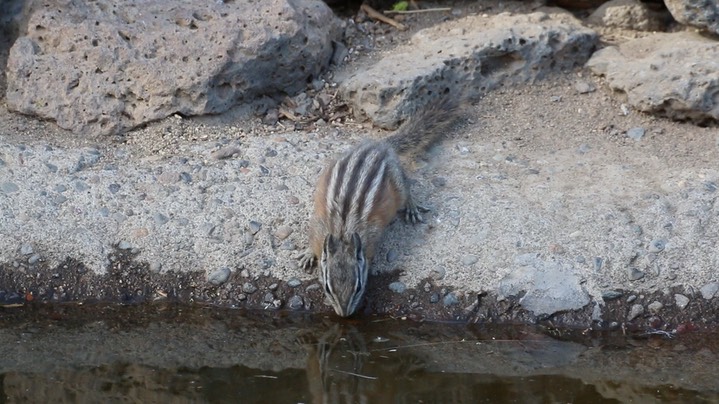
197, 354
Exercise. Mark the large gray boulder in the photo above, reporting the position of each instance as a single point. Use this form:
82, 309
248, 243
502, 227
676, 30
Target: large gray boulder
101, 68
698, 13
673, 75
467, 57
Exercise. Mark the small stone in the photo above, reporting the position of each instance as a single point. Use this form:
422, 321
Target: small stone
245, 273
584, 148
268, 298
427, 287
59, 199
255, 226
242, 297
33, 259
59, 188
681, 301
655, 307
656, 246
636, 133
469, 260
283, 232
438, 273
273, 286
392, 255
9, 187
26, 249
288, 245
555, 98
249, 288
225, 152
219, 276
439, 181
631, 298
710, 186
160, 219
555, 248
450, 299
104, 212
248, 238
124, 245
185, 177
272, 116
709, 290
113, 188
635, 274
294, 282
155, 266
80, 186
584, 87
434, 298
611, 295
635, 311
295, 302
397, 287
270, 153
598, 262
312, 287
168, 177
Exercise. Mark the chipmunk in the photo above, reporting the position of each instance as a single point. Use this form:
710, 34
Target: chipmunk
357, 196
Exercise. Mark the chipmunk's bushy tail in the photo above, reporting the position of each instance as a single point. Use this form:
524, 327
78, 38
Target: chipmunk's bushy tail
427, 126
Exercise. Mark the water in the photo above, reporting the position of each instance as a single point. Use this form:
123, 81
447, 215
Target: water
182, 354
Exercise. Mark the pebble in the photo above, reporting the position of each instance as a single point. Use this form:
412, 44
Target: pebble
392, 255
709, 290
283, 232
155, 266
249, 288
245, 273
295, 302
657, 245
555, 98
635, 312
294, 282
439, 181
219, 276
469, 259
438, 273
59, 188
636, 133
104, 212
631, 298
26, 249
584, 87
59, 199
288, 245
312, 287
611, 295
160, 219
450, 299
654, 307
80, 186
248, 238
168, 177
434, 298
185, 177
635, 274
124, 245
113, 188
255, 226
598, 262
51, 167
9, 187
33, 259
269, 297
397, 287
242, 297
710, 186
584, 148
225, 152
681, 301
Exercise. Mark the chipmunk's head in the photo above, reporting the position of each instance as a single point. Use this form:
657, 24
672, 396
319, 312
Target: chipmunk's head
343, 272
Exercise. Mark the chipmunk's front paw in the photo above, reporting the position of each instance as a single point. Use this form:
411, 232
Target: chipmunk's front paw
307, 261
412, 213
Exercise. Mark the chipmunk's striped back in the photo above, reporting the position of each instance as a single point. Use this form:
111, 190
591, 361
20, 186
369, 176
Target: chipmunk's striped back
356, 197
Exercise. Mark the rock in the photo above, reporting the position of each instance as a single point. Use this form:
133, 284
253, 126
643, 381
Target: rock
219, 276
635, 274
93, 67
655, 307
550, 286
255, 226
450, 299
584, 87
469, 260
681, 301
391, 256
678, 76
438, 273
635, 311
636, 133
611, 295
698, 13
225, 152
249, 288
295, 303
283, 232
294, 282
657, 245
629, 14
26, 249
709, 290
467, 56
8, 187
397, 287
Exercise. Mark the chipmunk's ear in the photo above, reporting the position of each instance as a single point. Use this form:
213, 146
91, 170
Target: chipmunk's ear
330, 245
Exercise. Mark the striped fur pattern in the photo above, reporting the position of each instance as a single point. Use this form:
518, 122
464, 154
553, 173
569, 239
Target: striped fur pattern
356, 197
